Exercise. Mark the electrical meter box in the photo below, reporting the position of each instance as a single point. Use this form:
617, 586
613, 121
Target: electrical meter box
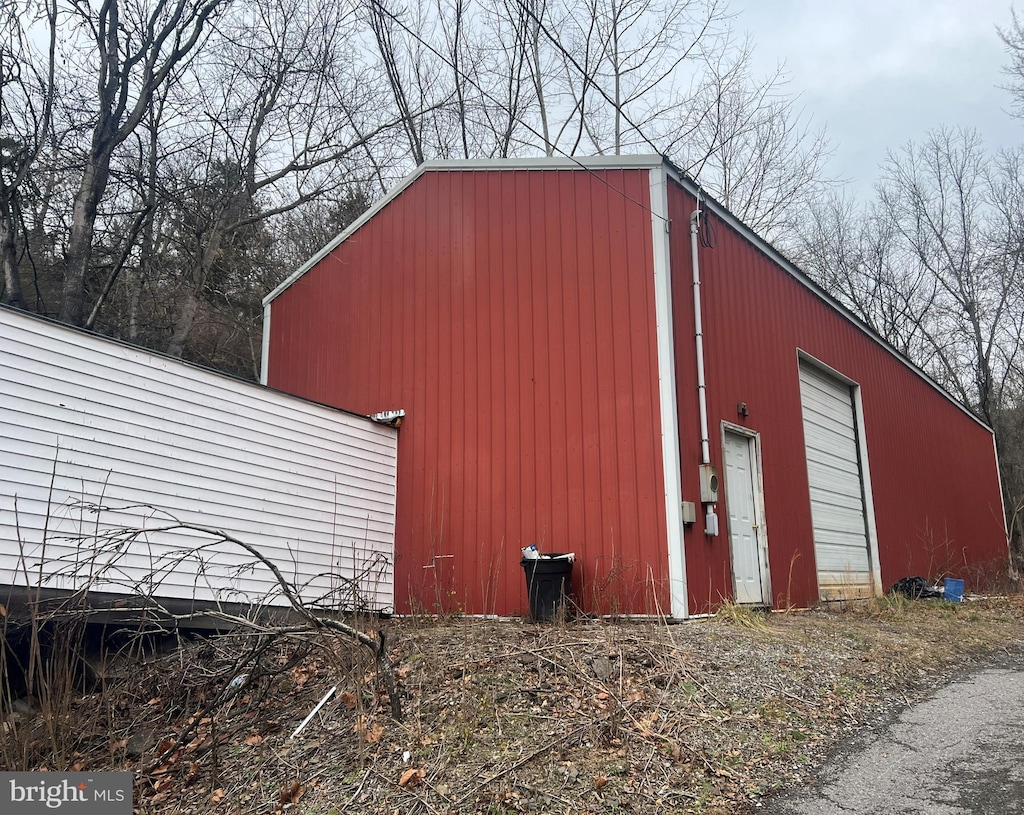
708, 484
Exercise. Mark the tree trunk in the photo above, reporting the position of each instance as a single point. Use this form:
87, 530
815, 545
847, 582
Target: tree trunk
134, 305
538, 85
183, 324
83, 224
617, 75
9, 258
186, 317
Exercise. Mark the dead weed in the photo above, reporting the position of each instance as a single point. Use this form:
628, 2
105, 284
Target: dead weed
505, 717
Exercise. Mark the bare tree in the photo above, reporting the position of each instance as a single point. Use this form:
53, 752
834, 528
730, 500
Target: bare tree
210, 122
137, 50
512, 65
934, 264
944, 203
457, 75
527, 17
624, 68
752, 148
413, 88
1013, 40
854, 253
285, 123
27, 88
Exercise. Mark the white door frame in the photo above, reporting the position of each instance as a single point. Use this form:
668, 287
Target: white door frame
754, 439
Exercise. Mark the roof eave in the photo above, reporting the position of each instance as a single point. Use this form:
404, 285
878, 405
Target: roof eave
694, 189
631, 162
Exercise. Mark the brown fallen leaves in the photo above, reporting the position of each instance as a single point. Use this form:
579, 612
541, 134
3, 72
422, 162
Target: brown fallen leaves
290, 794
705, 718
369, 731
412, 778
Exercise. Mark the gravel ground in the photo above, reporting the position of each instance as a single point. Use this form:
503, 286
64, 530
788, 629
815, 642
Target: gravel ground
709, 716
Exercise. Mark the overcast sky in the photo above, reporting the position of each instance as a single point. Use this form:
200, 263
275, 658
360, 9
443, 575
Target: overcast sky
878, 73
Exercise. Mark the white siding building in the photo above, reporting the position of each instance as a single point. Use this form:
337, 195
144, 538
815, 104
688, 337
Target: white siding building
103, 446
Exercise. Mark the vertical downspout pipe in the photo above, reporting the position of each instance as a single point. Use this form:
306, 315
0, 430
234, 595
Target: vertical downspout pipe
702, 397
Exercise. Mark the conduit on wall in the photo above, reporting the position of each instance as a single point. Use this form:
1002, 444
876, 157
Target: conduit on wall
708, 491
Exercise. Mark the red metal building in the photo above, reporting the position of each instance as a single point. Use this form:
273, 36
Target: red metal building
536, 321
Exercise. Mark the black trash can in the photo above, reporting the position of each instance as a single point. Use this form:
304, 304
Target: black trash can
548, 585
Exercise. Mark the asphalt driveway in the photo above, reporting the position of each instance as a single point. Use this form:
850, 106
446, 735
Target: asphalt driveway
961, 751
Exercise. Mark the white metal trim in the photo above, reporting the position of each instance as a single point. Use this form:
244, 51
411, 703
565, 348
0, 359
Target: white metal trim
265, 345
803, 356
550, 163
1002, 499
869, 501
773, 254
642, 161
669, 411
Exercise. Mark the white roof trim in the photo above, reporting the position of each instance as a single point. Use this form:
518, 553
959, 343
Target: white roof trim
352, 227
631, 162
787, 266
645, 161
552, 163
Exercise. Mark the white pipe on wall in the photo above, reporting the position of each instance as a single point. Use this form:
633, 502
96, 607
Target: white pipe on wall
702, 399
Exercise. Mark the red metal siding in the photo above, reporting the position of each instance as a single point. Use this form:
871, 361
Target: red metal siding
511, 314
933, 472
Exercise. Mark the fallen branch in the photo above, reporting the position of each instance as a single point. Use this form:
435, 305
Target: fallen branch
116, 542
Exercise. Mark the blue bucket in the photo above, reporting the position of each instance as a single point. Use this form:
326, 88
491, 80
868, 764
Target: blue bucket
953, 590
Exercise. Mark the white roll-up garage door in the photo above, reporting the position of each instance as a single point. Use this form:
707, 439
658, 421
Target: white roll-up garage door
836, 485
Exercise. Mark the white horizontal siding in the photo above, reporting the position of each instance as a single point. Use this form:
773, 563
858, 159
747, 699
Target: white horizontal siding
86, 422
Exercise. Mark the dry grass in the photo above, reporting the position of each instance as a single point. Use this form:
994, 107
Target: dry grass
709, 716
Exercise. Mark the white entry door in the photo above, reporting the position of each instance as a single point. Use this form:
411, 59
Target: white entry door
749, 560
